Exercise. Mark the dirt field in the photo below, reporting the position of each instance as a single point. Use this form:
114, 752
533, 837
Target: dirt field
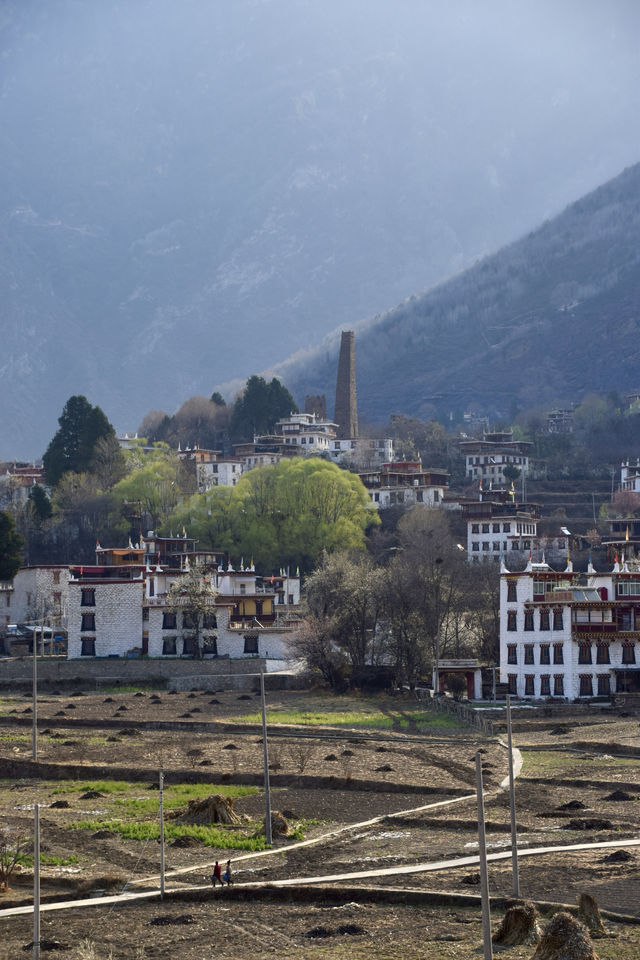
326, 776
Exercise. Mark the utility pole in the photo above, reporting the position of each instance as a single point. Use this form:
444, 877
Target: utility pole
36, 881
512, 808
161, 785
484, 875
267, 794
34, 706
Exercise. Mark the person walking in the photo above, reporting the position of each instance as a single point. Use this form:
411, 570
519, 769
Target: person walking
216, 875
227, 873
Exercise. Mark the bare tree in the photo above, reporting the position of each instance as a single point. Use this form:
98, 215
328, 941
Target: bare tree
11, 847
193, 594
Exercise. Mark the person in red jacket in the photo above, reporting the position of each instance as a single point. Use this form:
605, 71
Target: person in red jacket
216, 876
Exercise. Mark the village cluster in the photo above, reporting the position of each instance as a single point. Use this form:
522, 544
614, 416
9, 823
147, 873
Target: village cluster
563, 634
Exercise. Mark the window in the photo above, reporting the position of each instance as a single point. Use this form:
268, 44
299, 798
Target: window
88, 647
528, 620
250, 644
189, 620
57, 599
88, 598
557, 619
210, 646
152, 588
168, 621
586, 685
506, 528
189, 647
512, 655
512, 623
475, 528
419, 496
545, 653
496, 528
544, 620
243, 588
528, 653
558, 653
88, 621
602, 653
584, 653
56, 576
145, 613
558, 685
604, 686
485, 546
545, 685
475, 545
290, 598
210, 621
512, 680
628, 653
485, 528
496, 545
528, 685
169, 647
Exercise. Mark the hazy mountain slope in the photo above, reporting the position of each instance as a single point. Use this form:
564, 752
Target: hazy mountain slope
191, 191
546, 319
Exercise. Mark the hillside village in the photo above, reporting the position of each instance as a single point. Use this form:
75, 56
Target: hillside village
554, 598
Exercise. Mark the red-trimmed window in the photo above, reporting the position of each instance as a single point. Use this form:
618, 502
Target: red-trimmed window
558, 653
512, 620
584, 653
628, 653
512, 653
512, 591
558, 685
545, 685
602, 653
604, 685
528, 685
586, 685
528, 653
528, 620
544, 620
545, 653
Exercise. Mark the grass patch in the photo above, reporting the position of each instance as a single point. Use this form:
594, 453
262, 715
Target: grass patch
537, 763
14, 738
369, 717
213, 836
136, 800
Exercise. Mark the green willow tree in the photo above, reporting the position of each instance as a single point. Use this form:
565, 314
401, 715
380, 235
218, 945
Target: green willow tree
284, 515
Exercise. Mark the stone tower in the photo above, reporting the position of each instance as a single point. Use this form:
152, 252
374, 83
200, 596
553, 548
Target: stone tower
346, 408
316, 405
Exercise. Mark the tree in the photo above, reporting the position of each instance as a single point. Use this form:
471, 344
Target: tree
11, 544
510, 473
194, 595
153, 486
11, 846
40, 504
344, 598
284, 515
218, 399
258, 408
108, 463
71, 449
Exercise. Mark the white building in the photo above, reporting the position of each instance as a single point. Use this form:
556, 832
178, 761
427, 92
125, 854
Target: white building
570, 635
404, 483
37, 591
630, 476
487, 457
126, 609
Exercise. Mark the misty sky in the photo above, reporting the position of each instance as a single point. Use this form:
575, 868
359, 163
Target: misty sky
203, 188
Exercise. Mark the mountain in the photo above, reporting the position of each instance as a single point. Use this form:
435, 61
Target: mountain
545, 320
191, 191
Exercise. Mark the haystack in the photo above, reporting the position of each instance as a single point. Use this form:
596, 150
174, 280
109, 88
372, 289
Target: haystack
212, 809
519, 925
589, 914
565, 939
279, 824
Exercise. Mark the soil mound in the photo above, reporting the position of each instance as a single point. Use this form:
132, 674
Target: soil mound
572, 805
620, 856
185, 842
91, 795
212, 809
565, 939
180, 920
589, 823
519, 925
59, 805
619, 796
472, 879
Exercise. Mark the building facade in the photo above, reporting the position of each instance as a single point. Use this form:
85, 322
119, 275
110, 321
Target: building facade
487, 457
570, 635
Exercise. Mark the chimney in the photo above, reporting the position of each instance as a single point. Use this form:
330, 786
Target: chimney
346, 408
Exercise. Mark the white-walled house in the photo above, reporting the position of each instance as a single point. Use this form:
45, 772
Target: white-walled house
570, 635
125, 609
36, 591
486, 457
